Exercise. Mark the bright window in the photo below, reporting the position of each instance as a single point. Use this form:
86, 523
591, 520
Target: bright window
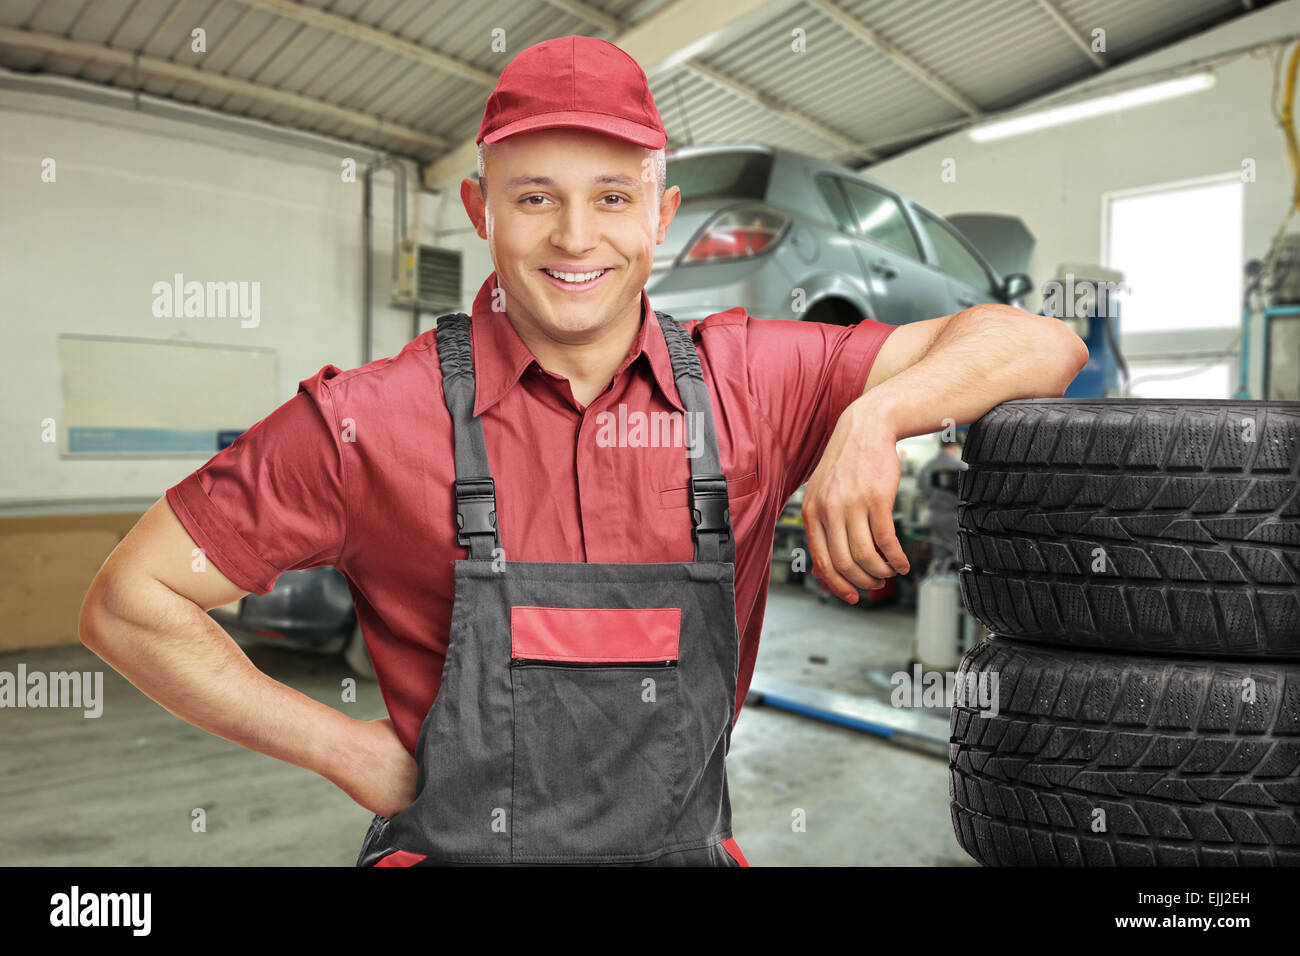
1189, 379
1180, 251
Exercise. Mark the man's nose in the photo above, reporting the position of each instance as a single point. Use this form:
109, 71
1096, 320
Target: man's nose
576, 229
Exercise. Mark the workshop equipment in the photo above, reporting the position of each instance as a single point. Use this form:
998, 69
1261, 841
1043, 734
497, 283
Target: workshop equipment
1277, 288
1284, 284
917, 728
789, 545
1273, 290
1087, 299
940, 622
1282, 352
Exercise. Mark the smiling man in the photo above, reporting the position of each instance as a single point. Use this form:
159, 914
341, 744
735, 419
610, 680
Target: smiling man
576, 303
563, 626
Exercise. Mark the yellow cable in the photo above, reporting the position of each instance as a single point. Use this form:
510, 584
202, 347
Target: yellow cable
1287, 120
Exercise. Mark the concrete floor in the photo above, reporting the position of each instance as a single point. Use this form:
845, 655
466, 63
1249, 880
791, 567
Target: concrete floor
121, 789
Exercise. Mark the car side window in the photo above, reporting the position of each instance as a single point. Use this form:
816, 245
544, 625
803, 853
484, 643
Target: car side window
835, 200
954, 258
880, 219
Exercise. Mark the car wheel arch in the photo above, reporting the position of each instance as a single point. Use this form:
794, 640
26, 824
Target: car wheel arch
837, 310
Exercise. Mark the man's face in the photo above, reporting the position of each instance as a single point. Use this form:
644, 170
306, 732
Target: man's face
576, 202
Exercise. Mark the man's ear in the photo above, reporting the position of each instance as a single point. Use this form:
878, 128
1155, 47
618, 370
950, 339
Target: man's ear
472, 198
667, 209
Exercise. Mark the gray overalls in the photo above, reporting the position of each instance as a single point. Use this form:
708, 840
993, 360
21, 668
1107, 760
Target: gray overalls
586, 709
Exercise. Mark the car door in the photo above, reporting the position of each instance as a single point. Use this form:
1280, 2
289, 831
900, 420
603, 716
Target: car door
902, 288
971, 281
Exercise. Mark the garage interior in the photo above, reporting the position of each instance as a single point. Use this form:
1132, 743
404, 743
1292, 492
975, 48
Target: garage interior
316, 148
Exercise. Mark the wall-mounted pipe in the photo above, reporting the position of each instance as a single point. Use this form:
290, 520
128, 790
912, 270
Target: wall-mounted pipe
399, 234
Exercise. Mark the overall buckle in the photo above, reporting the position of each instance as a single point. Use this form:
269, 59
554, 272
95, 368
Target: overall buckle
710, 506
476, 508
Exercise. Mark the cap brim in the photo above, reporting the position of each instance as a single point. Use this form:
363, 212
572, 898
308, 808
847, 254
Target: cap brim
595, 122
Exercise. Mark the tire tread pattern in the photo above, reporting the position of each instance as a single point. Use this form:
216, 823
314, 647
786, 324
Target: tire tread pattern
1170, 527
1188, 770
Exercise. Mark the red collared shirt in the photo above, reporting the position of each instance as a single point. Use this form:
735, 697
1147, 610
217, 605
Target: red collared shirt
356, 471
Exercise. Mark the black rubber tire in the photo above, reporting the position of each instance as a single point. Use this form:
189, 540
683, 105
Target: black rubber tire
1187, 772
1196, 513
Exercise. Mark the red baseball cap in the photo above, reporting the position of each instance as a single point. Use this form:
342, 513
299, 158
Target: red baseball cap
573, 82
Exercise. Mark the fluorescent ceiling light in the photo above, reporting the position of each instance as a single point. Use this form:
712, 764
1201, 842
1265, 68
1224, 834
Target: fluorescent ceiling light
1070, 112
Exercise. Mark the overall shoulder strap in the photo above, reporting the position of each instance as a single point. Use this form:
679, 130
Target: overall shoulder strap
474, 490
710, 511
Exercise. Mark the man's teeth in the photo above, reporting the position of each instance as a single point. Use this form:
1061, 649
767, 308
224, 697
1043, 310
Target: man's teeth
575, 276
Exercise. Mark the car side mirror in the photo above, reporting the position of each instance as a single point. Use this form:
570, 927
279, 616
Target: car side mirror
1016, 286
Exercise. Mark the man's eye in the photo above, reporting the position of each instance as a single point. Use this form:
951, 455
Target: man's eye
528, 200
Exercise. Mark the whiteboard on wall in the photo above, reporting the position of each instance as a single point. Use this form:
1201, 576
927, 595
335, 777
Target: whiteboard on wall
129, 397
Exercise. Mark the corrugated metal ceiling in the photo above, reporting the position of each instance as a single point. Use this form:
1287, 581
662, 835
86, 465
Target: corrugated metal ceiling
877, 75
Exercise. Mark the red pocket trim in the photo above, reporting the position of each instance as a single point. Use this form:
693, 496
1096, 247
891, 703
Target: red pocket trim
595, 635
730, 846
401, 858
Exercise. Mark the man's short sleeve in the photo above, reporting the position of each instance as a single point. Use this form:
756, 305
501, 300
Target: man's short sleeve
802, 375
274, 500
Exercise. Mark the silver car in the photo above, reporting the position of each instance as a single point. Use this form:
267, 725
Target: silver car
791, 237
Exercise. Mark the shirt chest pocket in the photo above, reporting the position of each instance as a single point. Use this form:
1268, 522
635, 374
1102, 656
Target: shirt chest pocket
742, 490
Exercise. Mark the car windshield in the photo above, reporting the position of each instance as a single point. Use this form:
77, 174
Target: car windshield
740, 175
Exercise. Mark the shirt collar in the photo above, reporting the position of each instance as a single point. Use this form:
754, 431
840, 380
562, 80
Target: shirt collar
501, 357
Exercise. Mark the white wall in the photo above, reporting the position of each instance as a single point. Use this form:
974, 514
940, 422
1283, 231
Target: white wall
1054, 179
137, 199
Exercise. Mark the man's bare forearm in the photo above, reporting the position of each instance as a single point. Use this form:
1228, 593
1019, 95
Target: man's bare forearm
170, 649
985, 355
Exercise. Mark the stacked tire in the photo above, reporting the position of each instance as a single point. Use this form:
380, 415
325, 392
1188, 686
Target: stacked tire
1137, 703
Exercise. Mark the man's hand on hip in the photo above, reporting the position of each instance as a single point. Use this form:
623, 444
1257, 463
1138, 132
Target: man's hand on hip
382, 776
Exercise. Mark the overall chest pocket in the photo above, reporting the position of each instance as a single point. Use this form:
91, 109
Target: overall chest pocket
597, 747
